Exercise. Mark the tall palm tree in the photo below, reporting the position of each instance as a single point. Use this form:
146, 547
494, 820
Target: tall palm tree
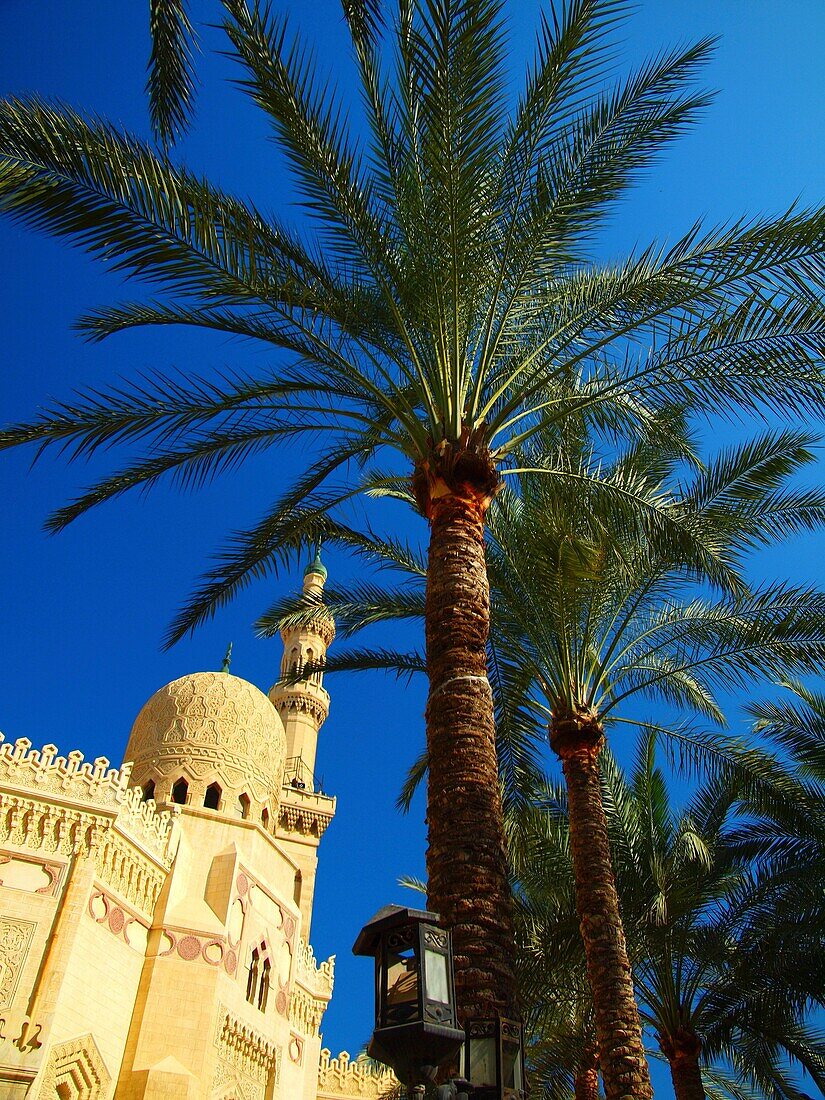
586, 618
707, 919
701, 924
442, 308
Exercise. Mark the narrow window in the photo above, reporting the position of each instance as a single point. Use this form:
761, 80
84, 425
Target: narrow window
263, 991
265, 819
212, 798
242, 808
149, 791
180, 792
296, 889
252, 980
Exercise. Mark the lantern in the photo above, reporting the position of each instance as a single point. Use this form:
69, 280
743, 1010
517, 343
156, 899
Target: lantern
493, 1063
415, 1018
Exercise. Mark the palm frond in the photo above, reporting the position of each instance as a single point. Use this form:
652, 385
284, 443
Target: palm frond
171, 81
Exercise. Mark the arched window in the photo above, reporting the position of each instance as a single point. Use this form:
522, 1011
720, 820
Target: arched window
149, 791
263, 989
295, 659
180, 792
257, 981
265, 819
242, 807
252, 979
296, 889
212, 798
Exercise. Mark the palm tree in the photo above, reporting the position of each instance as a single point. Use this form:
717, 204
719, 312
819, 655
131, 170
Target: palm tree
446, 310
587, 618
708, 921
702, 923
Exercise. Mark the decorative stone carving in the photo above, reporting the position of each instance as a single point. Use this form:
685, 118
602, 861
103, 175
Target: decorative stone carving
342, 1077
317, 978
306, 1011
22, 872
29, 818
128, 873
75, 1071
106, 911
247, 1062
305, 812
211, 725
15, 940
212, 950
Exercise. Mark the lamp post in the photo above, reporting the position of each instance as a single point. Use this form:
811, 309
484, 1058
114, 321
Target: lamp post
416, 1029
416, 1025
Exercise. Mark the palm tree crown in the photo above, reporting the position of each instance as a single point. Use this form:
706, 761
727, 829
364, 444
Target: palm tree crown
442, 307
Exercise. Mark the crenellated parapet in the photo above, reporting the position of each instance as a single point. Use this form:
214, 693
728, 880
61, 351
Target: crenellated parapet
94, 785
56, 806
317, 978
66, 776
341, 1076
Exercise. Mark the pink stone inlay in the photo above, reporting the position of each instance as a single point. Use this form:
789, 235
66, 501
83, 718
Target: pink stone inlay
189, 948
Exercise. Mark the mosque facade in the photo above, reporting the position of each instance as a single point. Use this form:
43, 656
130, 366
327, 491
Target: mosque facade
155, 918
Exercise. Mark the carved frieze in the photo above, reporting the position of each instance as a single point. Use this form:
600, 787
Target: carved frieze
247, 1062
15, 941
212, 950
306, 1011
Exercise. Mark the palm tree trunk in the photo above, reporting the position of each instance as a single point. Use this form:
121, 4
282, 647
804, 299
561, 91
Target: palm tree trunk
466, 861
578, 741
682, 1051
586, 1080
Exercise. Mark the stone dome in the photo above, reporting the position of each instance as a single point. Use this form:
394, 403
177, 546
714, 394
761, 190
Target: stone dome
211, 730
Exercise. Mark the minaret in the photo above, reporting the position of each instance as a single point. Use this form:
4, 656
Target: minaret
303, 706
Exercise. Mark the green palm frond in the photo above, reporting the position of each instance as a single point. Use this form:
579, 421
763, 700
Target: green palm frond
171, 82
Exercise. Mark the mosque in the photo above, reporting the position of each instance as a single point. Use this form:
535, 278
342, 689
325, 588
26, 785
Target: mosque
155, 919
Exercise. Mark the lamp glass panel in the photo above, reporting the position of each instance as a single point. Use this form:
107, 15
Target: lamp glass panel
402, 987
436, 979
483, 1062
511, 1075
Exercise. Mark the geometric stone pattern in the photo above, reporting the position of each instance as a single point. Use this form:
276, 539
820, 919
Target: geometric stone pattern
247, 1063
75, 1071
211, 727
15, 939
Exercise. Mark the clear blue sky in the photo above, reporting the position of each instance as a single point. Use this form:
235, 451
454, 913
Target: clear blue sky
83, 613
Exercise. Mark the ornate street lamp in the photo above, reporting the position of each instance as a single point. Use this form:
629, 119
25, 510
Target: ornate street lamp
416, 1029
493, 1059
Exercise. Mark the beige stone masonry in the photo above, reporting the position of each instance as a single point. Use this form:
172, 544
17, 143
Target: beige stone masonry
343, 1077
317, 978
63, 781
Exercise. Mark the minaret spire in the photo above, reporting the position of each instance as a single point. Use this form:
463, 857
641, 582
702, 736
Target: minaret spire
227, 660
304, 704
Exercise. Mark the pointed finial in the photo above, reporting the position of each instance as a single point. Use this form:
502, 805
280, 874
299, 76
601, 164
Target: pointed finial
227, 659
316, 565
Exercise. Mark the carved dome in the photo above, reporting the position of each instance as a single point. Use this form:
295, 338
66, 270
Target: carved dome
207, 729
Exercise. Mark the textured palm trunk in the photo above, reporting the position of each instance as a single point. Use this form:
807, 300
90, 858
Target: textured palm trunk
466, 862
586, 1081
682, 1050
624, 1071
